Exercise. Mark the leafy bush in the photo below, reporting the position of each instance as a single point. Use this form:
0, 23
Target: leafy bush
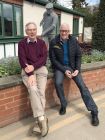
9, 66
94, 57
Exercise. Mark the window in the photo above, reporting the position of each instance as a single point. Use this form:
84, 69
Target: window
18, 20
75, 26
0, 21
10, 20
58, 24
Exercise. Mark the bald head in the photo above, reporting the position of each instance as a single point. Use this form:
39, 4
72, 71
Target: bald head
65, 26
64, 31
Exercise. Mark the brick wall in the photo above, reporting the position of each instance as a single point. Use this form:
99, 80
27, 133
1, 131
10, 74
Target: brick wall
14, 101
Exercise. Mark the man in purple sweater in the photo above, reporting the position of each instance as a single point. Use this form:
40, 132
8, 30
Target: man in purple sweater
32, 53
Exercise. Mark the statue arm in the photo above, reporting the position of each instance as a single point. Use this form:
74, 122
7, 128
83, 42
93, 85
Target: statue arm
48, 30
41, 22
43, 19
54, 23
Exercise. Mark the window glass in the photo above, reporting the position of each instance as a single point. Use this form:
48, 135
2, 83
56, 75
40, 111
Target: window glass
8, 19
58, 24
0, 22
75, 26
18, 22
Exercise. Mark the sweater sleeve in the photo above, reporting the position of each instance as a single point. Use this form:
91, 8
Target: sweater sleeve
22, 57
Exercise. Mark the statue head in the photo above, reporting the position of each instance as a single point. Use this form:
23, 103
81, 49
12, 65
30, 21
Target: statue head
49, 7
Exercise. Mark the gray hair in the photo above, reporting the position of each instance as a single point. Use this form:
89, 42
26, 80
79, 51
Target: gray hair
65, 25
26, 26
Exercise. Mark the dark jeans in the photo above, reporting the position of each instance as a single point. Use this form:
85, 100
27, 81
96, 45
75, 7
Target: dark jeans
86, 96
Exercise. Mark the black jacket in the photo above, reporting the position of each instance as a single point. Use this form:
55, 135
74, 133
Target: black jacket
56, 54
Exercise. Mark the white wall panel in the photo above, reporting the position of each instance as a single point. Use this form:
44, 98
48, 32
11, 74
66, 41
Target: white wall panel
9, 48
16, 49
81, 25
1, 51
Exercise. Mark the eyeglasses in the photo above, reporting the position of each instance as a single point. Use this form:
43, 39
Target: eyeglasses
31, 30
66, 31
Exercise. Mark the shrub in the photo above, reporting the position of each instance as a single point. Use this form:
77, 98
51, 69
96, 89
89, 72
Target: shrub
94, 57
9, 66
98, 40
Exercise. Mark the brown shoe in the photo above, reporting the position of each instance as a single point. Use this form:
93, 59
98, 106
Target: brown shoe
43, 124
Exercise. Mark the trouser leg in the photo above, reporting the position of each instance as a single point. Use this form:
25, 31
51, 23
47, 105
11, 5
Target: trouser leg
37, 91
58, 80
86, 96
41, 75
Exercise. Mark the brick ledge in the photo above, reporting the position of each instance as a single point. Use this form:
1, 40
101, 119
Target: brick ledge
14, 80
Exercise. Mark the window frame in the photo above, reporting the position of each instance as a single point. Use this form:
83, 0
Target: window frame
1, 20
21, 27
14, 36
75, 26
58, 24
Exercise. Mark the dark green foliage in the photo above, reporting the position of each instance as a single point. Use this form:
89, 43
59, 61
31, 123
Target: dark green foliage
95, 56
9, 66
88, 19
53, 1
99, 28
79, 3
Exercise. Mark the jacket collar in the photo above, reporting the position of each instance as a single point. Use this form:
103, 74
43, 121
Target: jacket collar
58, 39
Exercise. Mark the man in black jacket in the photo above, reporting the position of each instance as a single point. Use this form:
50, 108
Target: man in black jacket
65, 56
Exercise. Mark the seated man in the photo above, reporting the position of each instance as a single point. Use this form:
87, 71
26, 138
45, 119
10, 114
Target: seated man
65, 56
32, 53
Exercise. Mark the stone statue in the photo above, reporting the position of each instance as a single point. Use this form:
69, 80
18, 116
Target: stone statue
49, 23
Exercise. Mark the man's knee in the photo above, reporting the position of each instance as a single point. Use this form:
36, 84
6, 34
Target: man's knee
33, 88
58, 83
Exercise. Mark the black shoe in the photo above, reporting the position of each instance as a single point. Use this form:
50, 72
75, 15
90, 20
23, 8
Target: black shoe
62, 110
95, 120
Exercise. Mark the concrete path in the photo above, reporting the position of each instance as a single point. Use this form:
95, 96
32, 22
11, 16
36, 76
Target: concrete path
75, 125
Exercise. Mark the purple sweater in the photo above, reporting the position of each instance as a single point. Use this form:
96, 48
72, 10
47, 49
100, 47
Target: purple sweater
32, 53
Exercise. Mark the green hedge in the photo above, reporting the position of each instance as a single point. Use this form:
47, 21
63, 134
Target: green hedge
9, 66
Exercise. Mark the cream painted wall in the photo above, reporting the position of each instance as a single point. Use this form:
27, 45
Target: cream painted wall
67, 18
81, 25
33, 12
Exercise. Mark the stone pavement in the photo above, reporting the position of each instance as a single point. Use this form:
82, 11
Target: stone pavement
75, 125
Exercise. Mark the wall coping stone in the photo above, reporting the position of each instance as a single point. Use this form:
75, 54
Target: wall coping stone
15, 80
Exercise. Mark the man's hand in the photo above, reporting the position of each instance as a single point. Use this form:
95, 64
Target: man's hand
31, 80
29, 68
68, 74
75, 73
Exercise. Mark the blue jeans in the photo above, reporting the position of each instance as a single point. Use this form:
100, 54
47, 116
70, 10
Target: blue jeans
85, 94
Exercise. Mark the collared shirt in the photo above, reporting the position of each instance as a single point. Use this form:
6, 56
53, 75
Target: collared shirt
65, 48
34, 53
28, 40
